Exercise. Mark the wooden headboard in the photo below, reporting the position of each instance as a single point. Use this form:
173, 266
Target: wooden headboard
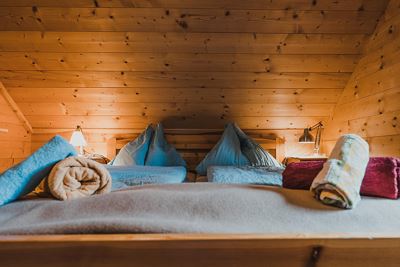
193, 145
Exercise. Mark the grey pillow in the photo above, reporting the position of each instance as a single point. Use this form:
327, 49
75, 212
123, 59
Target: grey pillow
256, 155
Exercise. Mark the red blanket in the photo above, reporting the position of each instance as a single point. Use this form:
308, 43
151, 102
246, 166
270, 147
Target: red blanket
382, 177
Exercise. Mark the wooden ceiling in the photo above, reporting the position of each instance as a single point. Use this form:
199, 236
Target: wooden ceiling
120, 64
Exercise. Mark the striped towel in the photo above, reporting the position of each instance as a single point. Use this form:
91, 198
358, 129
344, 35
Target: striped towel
339, 182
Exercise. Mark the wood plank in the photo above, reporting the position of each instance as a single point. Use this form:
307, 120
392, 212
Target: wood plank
14, 149
385, 145
379, 146
222, 4
190, 20
15, 132
207, 147
15, 108
177, 62
170, 42
387, 31
371, 126
385, 101
178, 95
200, 139
176, 79
384, 79
378, 59
393, 9
5, 164
139, 122
174, 109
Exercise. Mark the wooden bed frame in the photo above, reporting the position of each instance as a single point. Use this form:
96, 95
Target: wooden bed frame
198, 249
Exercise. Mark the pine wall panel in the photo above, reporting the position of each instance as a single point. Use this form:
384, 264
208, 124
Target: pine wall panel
15, 141
370, 103
114, 66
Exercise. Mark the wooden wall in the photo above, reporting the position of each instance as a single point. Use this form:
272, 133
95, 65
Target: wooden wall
370, 103
113, 66
15, 140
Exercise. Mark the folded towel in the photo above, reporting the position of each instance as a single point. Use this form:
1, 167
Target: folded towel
381, 177
77, 177
339, 182
21, 179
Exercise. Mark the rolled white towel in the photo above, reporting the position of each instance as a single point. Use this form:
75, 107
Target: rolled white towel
339, 182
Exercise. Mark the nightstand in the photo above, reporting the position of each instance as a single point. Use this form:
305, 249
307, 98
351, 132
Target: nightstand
288, 160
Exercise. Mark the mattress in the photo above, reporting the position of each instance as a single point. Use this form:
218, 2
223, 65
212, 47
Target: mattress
125, 176
200, 208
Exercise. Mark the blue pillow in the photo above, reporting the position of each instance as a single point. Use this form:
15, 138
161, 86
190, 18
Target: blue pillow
161, 153
225, 153
256, 155
124, 176
134, 153
22, 178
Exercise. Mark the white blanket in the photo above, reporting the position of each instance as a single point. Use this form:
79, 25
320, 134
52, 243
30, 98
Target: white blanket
200, 208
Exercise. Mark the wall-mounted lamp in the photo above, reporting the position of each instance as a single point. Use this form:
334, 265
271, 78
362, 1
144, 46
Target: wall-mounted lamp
2, 130
308, 138
77, 139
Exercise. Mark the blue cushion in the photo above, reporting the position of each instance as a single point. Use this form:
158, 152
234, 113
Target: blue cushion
124, 176
24, 177
256, 155
225, 153
245, 175
161, 153
134, 153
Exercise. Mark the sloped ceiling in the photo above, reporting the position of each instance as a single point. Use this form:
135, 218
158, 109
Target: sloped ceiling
115, 65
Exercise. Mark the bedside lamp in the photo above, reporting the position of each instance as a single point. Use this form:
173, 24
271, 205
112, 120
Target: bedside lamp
77, 139
308, 138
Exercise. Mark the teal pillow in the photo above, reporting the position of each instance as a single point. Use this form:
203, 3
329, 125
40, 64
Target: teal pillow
134, 153
225, 153
256, 155
22, 178
161, 153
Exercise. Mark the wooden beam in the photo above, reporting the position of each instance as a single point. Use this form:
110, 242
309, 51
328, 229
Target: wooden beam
15, 108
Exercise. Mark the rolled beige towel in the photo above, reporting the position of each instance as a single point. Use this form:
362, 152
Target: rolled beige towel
339, 182
77, 177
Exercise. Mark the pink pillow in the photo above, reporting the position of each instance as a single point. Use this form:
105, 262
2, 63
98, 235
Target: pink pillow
382, 177
300, 175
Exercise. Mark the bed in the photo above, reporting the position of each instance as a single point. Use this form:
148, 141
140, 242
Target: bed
196, 244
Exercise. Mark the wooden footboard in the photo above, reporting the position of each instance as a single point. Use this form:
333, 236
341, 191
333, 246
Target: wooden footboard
197, 250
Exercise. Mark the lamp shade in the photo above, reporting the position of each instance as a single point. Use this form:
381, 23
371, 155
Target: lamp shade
306, 137
77, 138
